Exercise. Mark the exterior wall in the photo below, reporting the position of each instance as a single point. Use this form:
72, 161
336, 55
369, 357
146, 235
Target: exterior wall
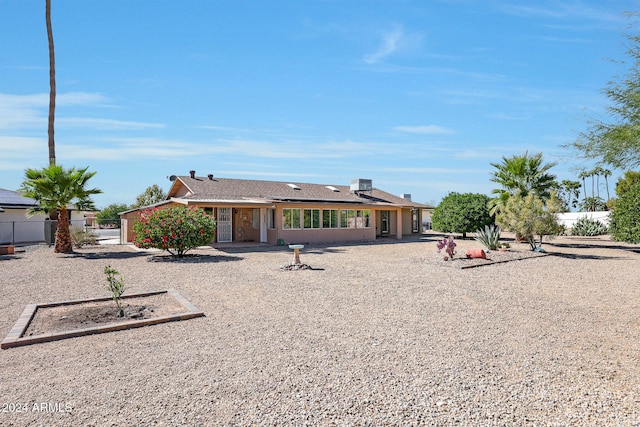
324, 235
568, 219
17, 227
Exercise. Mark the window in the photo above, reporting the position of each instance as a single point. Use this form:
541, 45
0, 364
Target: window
312, 218
255, 216
271, 218
291, 219
208, 211
347, 218
329, 218
363, 218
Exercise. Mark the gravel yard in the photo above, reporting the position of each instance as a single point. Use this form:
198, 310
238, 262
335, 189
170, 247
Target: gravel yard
381, 334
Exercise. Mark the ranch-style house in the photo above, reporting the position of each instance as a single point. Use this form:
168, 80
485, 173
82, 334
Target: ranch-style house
291, 212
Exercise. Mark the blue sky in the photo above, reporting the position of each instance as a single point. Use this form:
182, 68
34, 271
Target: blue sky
419, 96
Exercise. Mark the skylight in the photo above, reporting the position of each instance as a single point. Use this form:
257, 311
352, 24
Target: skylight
295, 187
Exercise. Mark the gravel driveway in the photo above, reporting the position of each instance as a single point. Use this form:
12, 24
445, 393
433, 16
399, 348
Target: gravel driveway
381, 334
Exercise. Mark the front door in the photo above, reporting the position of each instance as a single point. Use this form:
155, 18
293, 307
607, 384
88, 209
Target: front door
224, 224
384, 222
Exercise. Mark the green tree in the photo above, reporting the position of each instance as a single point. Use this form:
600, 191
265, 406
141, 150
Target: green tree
54, 188
617, 143
462, 213
175, 229
109, 215
530, 216
521, 174
626, 182
151, 195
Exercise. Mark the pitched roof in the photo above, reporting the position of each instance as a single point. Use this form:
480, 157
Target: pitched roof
14, 200
226, 189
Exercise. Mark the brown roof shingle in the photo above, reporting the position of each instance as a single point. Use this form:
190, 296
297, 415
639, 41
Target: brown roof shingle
204, 188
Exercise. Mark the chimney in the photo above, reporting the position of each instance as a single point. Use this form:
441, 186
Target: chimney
192, 173
407, 197
210, 176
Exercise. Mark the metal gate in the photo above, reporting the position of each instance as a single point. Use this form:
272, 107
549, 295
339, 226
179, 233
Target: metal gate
224, 225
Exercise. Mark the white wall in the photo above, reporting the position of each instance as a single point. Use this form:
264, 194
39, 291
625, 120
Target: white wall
16, 227
568, 219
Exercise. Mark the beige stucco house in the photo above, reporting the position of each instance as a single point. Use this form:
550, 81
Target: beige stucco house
291, 212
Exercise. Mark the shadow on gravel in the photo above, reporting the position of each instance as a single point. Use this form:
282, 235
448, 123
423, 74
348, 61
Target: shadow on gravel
106, 255
585, 256
588, 246
194, 259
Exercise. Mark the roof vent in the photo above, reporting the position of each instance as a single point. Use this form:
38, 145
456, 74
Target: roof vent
332, 188
172, 178
210, 176
192, 173
295, 187
361, 185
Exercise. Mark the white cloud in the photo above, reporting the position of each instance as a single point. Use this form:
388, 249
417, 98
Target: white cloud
392, 41
29, 111
106, 124
423, 130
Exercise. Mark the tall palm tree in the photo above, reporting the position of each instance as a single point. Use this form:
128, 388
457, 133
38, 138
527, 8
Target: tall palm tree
606, 173
52, 85
54, 188
583, 176
521, 174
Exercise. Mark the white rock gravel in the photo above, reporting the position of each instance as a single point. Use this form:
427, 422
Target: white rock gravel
382, 334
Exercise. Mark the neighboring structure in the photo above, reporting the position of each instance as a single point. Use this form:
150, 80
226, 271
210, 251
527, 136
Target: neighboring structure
17, 227
568, 219
286, 212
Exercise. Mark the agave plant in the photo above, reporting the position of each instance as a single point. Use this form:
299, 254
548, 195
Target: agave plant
586, 226
449, 247
489, 236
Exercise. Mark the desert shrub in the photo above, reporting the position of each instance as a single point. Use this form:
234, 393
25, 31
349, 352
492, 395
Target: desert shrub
116, 286
530, 217
175, 229
489, 236
462, 213
624, 224
81, 236
586, 226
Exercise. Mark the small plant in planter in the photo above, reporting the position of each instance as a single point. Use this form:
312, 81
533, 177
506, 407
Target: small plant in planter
116, 286
504, 246
449, 247
489, 236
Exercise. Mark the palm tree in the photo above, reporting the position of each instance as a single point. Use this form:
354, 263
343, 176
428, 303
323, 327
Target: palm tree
606, 173
54, 188
583, 176
52, 85
521, 174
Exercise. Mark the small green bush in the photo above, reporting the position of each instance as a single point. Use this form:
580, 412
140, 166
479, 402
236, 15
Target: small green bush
586, 226
116, 287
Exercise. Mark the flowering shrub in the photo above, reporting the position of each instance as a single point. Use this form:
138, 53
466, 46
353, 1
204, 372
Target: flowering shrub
176, 229
449, 247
